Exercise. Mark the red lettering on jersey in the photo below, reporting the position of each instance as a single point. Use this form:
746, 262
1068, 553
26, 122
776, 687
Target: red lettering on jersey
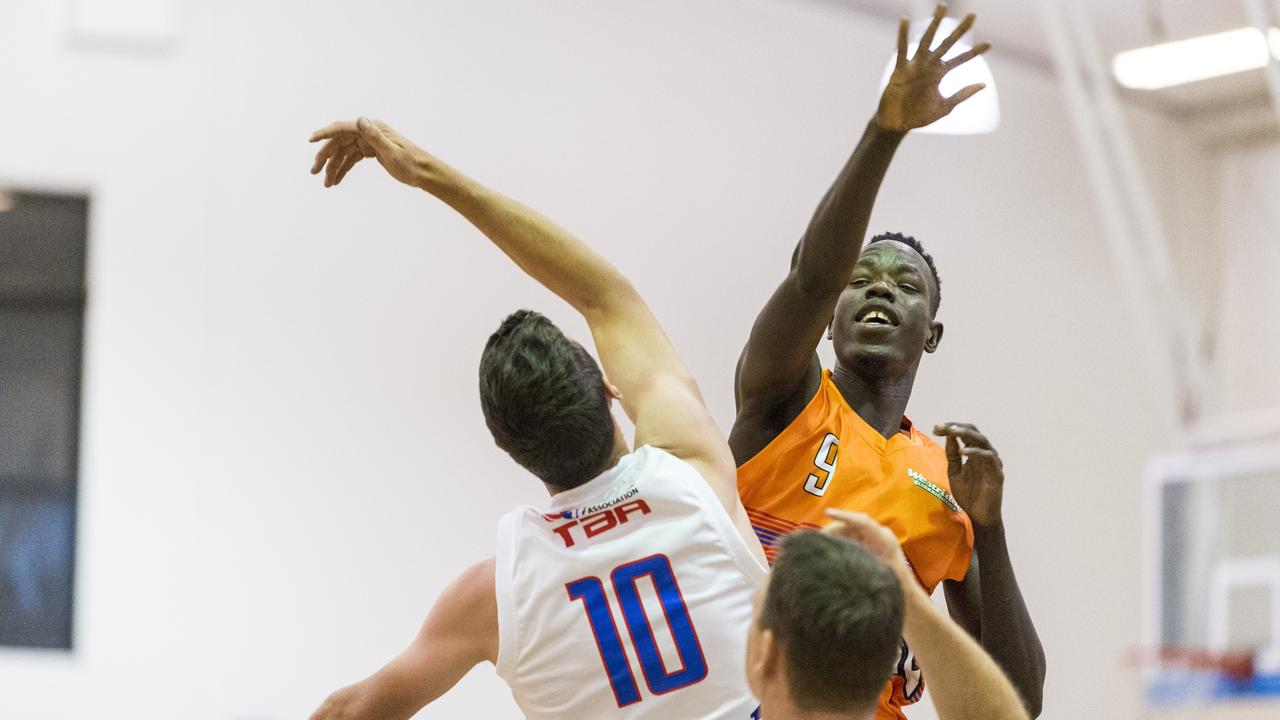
598, 523
634, 506
601, 522
563, 532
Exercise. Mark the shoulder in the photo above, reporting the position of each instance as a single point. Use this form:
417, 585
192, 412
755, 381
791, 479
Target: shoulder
760, 421
471, 599
661, 471
651, 459
928, 456
464, 620
926, 443
475, 588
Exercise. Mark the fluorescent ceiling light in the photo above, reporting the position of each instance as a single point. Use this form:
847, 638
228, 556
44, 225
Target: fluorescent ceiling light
979, 114
1197, 58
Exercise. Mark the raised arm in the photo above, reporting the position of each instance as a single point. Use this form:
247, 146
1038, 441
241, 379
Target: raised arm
460, 632
657, 390
776, 373
964, 681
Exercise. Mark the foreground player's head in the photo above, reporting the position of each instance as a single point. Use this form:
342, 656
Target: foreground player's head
885, 318
546, 401
827, 631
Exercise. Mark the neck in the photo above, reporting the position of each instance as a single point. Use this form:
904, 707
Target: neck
620, 449
880, 402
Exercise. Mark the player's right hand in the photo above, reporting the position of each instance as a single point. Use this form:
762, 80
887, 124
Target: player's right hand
876, 538
912, 98
349, 142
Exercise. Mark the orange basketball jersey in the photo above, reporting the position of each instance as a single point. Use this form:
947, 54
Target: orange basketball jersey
828, 457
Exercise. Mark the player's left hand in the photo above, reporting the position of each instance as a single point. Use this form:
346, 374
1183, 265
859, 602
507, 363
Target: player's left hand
975, 470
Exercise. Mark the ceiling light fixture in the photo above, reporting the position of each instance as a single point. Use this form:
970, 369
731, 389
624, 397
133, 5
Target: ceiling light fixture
1198, 58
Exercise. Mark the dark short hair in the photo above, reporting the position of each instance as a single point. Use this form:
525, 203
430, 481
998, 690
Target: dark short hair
916, 245
545, 402
837, 611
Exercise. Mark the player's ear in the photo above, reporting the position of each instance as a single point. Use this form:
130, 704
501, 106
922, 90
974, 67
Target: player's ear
935, 337
763, 659
770, 655
612, 390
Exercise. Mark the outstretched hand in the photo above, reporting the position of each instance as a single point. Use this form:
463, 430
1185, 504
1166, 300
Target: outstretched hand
912, 98
876, 538
975, 471
349, 142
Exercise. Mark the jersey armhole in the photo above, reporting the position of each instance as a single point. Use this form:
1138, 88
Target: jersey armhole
757, 572
812, 414
718, 515
504, 589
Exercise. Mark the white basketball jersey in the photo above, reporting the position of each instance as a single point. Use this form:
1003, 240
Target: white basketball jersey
630, 598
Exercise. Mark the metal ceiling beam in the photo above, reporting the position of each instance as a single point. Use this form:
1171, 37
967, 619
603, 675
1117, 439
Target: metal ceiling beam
1130, 215
1178, 323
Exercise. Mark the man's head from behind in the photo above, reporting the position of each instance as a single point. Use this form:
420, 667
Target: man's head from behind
546, 401
828, 628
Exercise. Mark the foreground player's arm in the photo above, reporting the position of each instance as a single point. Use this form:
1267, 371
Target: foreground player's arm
776, 373
460, 632
988, 602
965, 683
658, 392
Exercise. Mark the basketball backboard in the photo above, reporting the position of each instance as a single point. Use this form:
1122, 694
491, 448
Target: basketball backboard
1212, 537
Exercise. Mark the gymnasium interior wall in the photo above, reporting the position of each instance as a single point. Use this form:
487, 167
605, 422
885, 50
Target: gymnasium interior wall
1248, 315
284, 462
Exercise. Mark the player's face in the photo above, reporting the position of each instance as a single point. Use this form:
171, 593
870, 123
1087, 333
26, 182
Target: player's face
884, 319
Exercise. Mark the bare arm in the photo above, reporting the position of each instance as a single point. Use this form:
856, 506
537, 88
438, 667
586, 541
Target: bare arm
988, 602
776, 373
963, 679
460, 632
966, 684
658, 392
776, 359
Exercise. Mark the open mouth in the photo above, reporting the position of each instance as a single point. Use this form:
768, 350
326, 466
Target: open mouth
876, 317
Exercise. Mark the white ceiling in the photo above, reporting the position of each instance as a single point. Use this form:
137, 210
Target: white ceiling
1226, 110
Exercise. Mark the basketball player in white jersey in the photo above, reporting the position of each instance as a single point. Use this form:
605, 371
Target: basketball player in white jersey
629, 596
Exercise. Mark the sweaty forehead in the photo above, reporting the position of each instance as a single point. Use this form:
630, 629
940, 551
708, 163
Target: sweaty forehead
891, 254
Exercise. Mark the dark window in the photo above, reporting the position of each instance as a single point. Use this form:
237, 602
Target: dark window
42, 297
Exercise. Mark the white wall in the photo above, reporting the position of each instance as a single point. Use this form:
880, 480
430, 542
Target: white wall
1248, 316
284, 461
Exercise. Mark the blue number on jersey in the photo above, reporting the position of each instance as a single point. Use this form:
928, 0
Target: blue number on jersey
591, 592
608, 641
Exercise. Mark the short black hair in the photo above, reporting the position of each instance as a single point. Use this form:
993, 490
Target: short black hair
837, 612
916, 245
545, 401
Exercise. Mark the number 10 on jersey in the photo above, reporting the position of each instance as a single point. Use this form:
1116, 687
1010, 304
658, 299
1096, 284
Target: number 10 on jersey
591, 591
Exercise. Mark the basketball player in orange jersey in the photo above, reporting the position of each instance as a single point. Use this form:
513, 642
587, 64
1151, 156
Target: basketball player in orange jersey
807, 439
